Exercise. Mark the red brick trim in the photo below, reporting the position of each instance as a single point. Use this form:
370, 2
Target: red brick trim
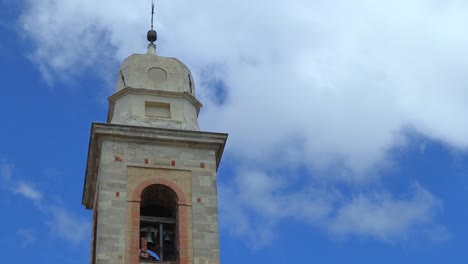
182, 219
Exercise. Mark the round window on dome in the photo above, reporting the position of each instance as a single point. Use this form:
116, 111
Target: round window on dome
157, 75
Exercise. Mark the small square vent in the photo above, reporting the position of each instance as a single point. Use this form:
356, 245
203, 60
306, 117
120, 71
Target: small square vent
154, 109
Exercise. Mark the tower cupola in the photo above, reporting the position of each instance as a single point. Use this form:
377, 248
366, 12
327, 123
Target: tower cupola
154, 91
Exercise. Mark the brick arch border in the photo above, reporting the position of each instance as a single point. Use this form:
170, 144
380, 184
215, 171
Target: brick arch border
181, 213
170, 184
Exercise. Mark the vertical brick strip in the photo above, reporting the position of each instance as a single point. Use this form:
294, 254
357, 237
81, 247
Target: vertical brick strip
183, 232
134, 259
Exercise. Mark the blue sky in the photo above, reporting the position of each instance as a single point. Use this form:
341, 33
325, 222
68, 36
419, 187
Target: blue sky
348, 122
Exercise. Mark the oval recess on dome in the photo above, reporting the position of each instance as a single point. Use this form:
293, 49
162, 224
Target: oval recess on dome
157, 75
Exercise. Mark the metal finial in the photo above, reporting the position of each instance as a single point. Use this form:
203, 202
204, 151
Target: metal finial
152, 35
152, 13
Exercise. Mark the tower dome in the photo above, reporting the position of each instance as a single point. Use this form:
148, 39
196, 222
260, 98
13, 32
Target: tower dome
154, 91
150, 71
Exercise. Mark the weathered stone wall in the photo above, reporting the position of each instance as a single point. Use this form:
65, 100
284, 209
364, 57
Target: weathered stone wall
110, 246
205, 210
130, 110
126, 167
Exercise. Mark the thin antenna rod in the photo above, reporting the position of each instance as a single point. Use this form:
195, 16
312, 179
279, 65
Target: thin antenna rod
152, 13
152, 35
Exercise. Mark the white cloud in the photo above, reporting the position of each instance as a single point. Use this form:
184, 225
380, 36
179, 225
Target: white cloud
61, 222
338, 81
28, 191
67, 226
255, 206
256, 203
385, 217
308, 84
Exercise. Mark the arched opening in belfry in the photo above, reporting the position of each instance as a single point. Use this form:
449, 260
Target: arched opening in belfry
158, 224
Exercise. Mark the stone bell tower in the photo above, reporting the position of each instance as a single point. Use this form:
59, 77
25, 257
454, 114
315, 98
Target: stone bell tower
151, 173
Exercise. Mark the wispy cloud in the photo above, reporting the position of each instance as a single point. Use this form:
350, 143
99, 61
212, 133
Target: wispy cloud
256, 203
69, 227
385, 217
61, 222
28, 191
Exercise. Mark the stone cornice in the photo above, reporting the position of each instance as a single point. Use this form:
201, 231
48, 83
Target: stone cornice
100, 131
143, 91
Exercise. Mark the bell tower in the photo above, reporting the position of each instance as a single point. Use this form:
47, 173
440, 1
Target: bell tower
151, 173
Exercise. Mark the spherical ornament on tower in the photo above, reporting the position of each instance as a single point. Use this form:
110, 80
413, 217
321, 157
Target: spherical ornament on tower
152, 35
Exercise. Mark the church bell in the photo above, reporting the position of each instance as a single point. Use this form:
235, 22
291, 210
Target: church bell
149, 237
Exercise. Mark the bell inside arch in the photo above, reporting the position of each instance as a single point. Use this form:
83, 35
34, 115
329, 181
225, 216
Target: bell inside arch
149, 237
167, 236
